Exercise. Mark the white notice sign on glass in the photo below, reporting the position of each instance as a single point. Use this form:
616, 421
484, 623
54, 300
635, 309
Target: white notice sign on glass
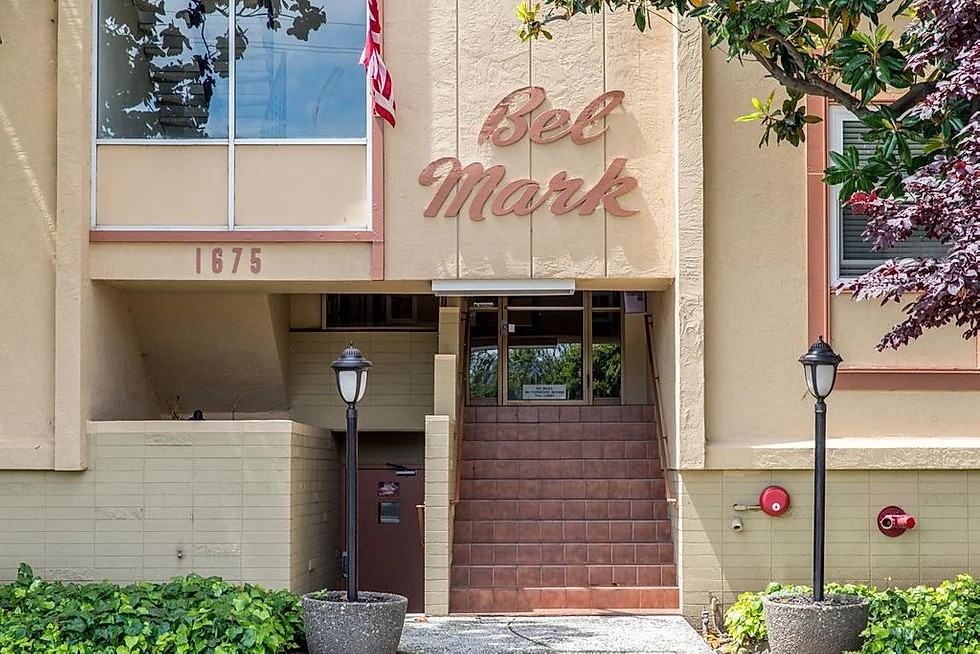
544, 392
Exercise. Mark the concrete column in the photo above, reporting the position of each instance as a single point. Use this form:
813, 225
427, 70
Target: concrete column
689, 284
444, 386
72, 286
450, 339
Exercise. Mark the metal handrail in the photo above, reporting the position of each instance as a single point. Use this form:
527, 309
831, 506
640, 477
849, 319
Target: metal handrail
462, 366
663, 444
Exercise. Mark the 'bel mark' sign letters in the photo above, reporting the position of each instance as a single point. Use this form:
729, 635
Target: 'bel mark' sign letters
510, 122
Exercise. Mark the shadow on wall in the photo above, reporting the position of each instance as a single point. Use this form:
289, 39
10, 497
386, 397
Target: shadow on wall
226, 354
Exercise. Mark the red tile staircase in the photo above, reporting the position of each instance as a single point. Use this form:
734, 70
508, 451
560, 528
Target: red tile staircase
561, 508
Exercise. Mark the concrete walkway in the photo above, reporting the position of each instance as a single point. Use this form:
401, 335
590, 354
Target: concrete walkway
635, 634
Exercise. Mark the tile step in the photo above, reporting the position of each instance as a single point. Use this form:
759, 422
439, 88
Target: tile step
503, 575
529, 598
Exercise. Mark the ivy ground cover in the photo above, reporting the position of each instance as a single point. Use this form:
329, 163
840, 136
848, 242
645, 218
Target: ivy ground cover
920, 620
186, 615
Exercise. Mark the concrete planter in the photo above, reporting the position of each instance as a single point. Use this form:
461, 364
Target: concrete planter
798, 625
372, 625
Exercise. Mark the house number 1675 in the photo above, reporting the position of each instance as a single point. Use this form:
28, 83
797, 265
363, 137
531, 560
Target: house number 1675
232, 260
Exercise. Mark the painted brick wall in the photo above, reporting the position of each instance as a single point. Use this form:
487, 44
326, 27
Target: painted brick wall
716, 561
399, 393
440, 465
159, 499
314, 511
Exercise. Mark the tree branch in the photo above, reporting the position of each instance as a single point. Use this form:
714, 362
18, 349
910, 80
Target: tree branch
811, 83
809, 88
912, 97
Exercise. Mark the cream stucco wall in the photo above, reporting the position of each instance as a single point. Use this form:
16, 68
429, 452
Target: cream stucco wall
756, 306
119, 386
857, 327
446, 111
27, 247
239, 499
223, 353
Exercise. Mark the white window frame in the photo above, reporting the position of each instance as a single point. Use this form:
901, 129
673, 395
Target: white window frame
229, 142
836, 116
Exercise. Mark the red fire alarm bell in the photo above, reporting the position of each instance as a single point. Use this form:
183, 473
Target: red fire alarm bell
774, 500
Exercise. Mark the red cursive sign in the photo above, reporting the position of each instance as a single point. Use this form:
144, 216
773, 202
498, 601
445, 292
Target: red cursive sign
508, 123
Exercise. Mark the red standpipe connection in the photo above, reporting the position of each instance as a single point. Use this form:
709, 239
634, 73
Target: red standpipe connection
894, 521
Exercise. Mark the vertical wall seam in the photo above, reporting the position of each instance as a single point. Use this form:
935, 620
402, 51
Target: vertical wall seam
459, 249
530, 168
605, 154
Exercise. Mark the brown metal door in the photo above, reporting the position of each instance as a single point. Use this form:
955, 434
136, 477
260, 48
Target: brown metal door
389, 532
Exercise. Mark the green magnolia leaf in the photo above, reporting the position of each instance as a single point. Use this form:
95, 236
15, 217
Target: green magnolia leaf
751, 118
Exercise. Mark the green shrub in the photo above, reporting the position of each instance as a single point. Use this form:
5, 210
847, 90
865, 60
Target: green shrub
920, 620
186, 615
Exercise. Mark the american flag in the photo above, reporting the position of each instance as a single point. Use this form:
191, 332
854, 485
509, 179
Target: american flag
382, 96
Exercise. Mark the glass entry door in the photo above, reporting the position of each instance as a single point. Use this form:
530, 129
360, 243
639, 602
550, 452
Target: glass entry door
549, 349
544, 350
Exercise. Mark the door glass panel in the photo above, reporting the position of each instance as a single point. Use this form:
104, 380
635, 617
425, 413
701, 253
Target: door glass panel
607, 354
389, 513
544, 355
484, 355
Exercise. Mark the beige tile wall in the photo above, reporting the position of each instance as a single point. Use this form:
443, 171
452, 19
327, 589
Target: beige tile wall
440, 478
715, 561
399, 393
314, 511
164, 498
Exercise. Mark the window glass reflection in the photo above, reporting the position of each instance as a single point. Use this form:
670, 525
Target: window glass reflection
163, 69
484, 355
298, 75
607, 354
544, 355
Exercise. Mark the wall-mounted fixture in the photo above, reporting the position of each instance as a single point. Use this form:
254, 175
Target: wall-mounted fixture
773, 500
737, 524
893, 521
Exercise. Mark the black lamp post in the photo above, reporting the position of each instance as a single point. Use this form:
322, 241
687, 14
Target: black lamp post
820, 368
351, 369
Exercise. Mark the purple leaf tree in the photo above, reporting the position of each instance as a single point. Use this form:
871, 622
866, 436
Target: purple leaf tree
941, 199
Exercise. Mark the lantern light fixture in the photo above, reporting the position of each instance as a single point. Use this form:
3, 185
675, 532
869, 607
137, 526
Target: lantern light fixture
820, 368
351, 369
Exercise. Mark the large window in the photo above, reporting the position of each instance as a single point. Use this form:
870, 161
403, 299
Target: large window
851, 254
357, 311
167, 69
558, 349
